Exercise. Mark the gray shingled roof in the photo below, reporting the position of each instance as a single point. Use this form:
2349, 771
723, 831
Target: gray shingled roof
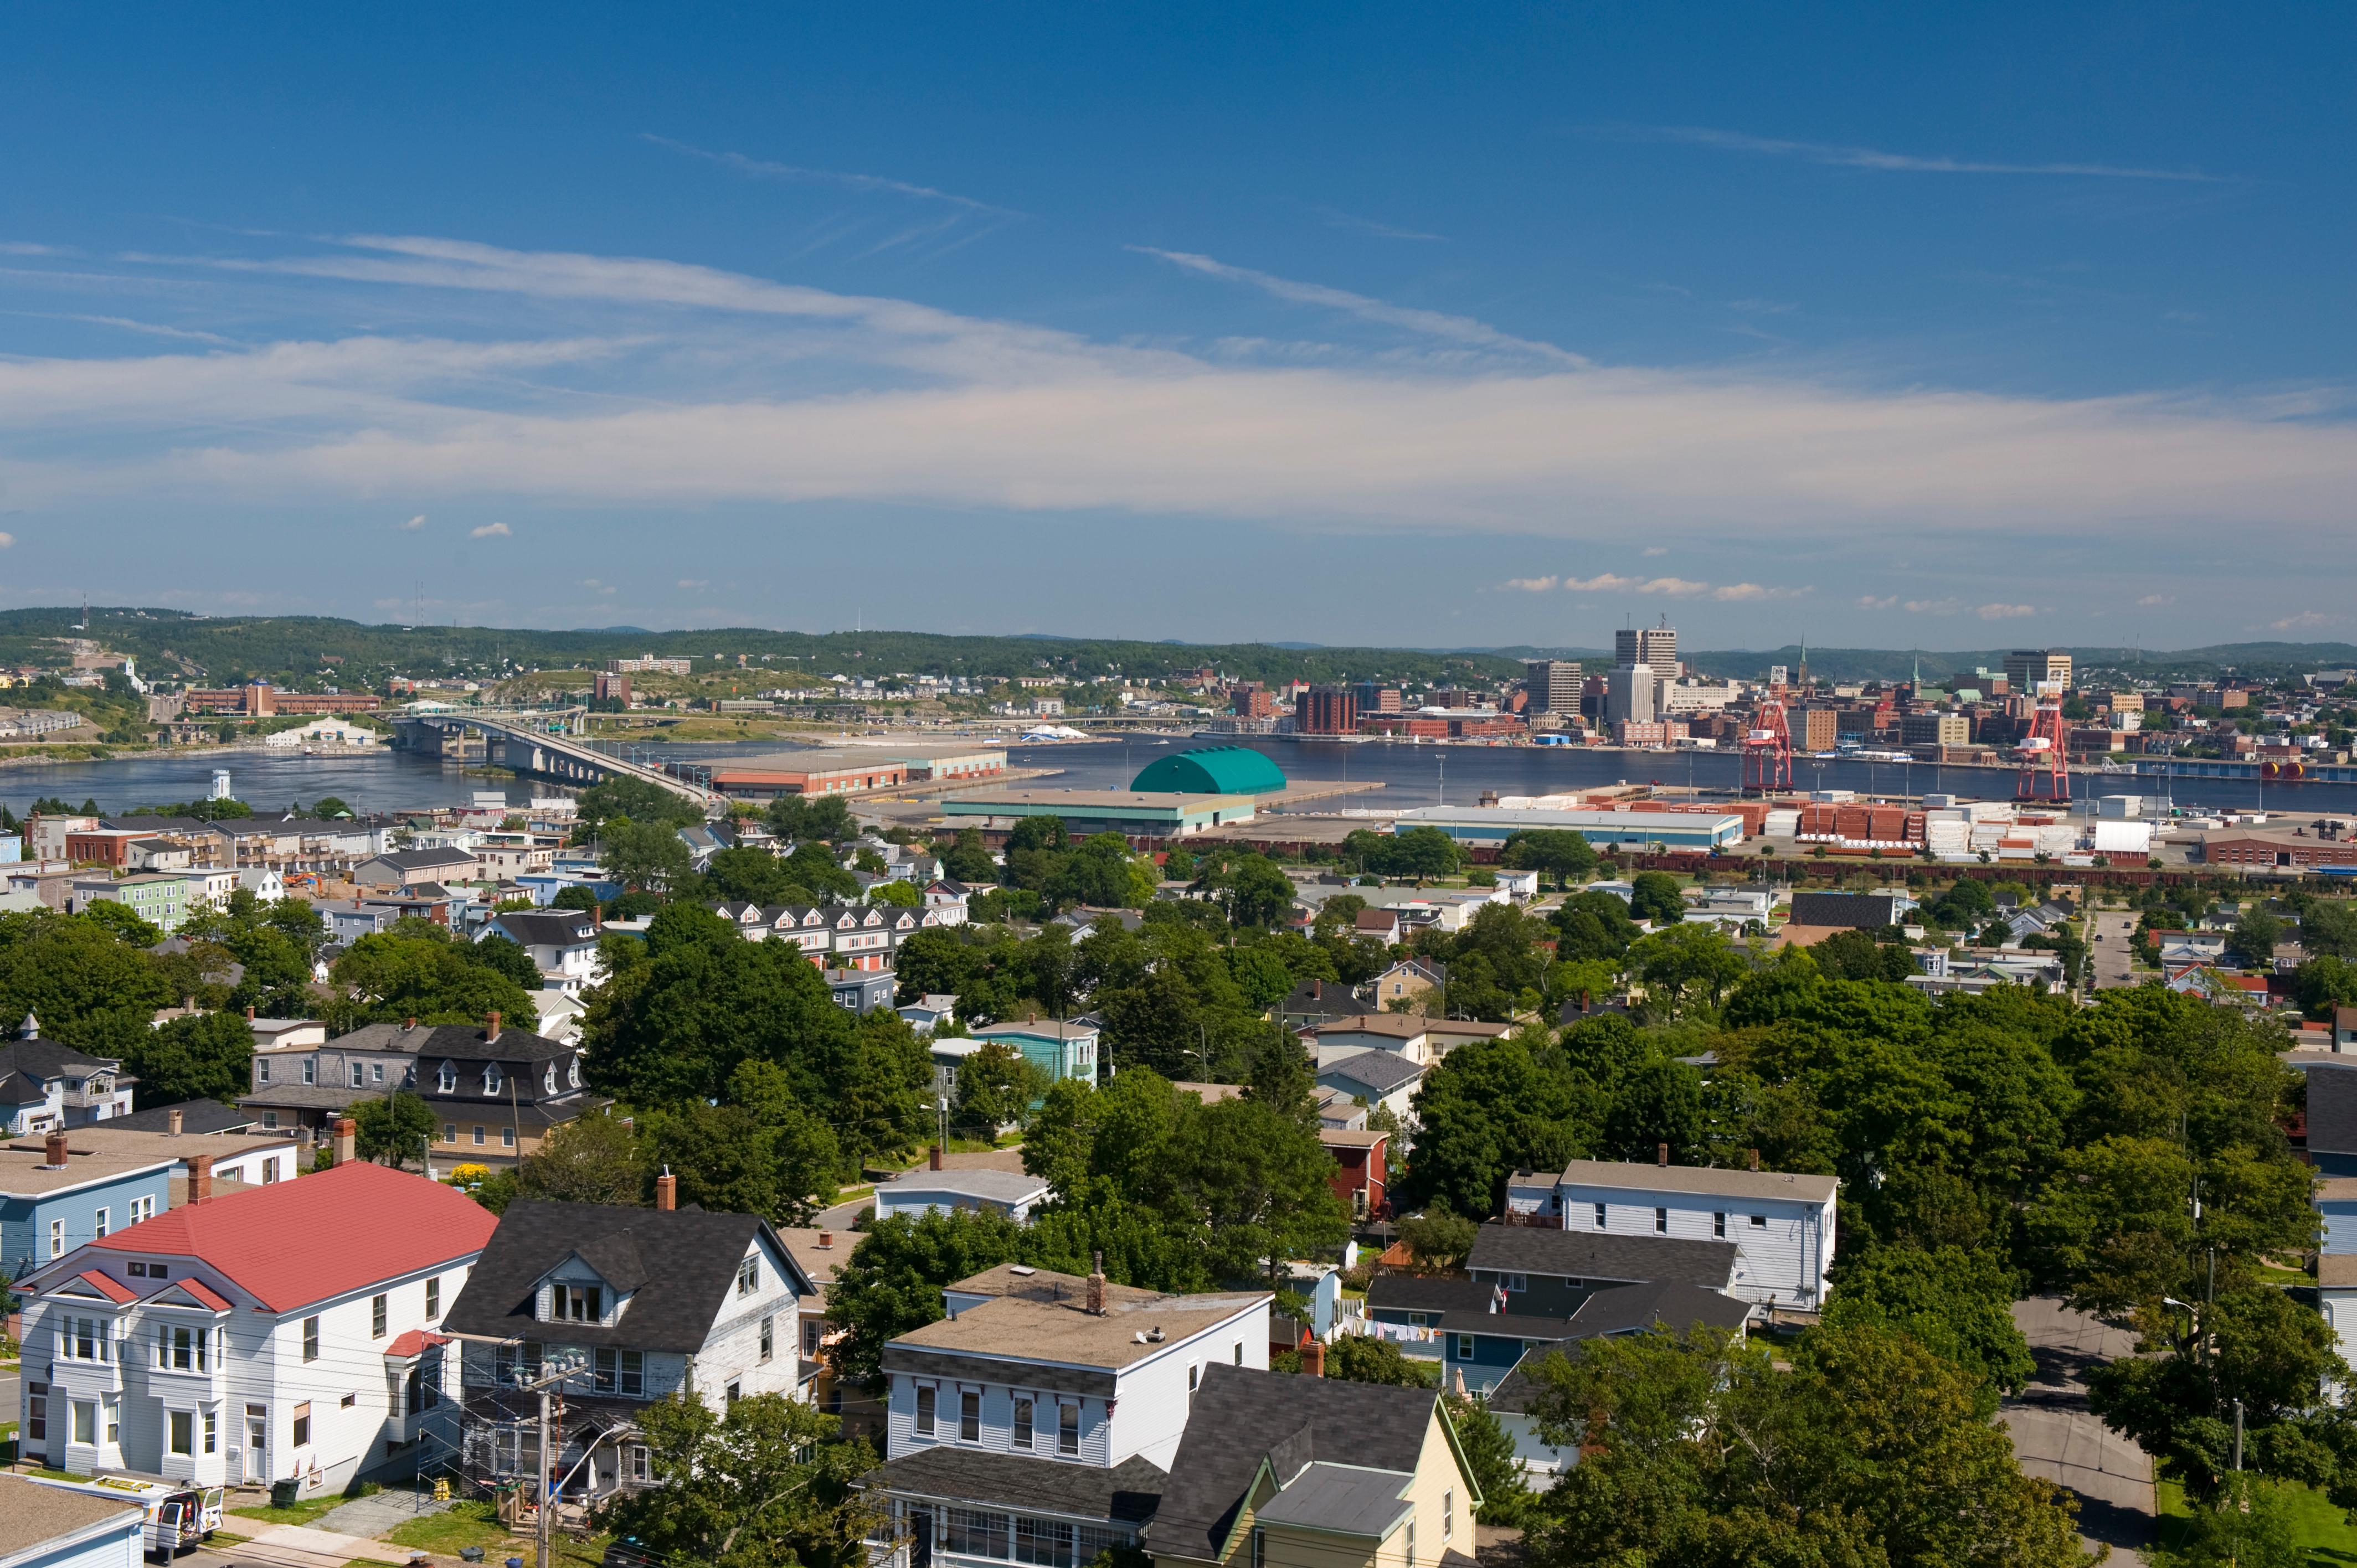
1128, 1492
2332, 1108
1675, 1307
1601, 1255
1242, 1416
1409, 1292
1381, 1071
1345, 1499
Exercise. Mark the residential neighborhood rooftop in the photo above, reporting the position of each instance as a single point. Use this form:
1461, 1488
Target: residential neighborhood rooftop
1713, 1180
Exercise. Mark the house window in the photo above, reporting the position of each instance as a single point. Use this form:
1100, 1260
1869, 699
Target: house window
548, 1079
37, 1413
1045, 1541
270, 1120
1022, 1423
449, 1132
86, 1339
1718, 1226
970, 1416
1447, 1516
1410, 1558
269, 1172
491, 1078
1760, 1222
1600, 1217
1419, 1320
478, 1136
183, 1432
262, 1070
748, 1276
634, 1462
303, 1425
1465, 1346
212, 1432
572, 1072
349, 1401
975, 1533
357, 1080
85, 1422
1240, 1352
1259, 1548
1661, 1222
433, 1297
769, 1337
1518, 1282
56, 1237
145, 1208
925, 1413
376, 1316
100, 1220
311, 1337
621, 1372
138, 1269
1068, 1428
447, 1080
578, 1304
310, 1070
376, 1072
735, 1391
1194, 1381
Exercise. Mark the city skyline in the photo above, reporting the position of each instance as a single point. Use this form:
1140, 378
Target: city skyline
1871, 329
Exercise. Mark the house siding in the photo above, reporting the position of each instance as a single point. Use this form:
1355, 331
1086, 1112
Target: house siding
1781, 1264
25, 1219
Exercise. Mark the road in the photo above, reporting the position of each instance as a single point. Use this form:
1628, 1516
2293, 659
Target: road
2058, 1438
2107, 948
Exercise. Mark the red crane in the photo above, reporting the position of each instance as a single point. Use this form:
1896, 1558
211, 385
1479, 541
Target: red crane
1768, 747
2045, 773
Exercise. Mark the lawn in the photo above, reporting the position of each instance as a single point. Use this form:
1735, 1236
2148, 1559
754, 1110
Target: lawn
301, 1513
2320, 1526
463, 1523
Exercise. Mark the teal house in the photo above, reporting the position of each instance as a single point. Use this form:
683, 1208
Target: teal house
1210, 770
1057, 1048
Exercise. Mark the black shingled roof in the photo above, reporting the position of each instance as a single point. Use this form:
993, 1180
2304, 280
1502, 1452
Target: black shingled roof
1381, 1071
1409, 1292
682, 1264
2332, 1108
196, 1116
1242, 1415
1601, 1255
1128, 1492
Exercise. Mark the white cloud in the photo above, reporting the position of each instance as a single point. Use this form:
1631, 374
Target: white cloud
868, 182
1933, 607
2305, 620
1368, 226
2004, 612
2152, 599
694, 583
7, 542
490, 531
679, 385
1868, 602
1738, 593
1530, 584
1870, 159
1657, 550
413, 524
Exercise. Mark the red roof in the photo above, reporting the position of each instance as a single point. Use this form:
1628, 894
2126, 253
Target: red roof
413, 1343
198, 1290
104, 1286
295, 1243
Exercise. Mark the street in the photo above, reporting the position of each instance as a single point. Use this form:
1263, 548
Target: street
2057, 1438
2107, 948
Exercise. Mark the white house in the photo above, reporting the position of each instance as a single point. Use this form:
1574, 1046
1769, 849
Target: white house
1011, 1193
1060, 1397
1781, 1225
264, 882
644, 1300
329, 731
563, 943
282, 1332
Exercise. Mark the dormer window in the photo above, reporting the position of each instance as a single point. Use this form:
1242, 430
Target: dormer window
572, 1072
491, 1078
577, 1304
447, 1080
548, 1079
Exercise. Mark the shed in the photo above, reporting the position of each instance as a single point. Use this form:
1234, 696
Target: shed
1210, 770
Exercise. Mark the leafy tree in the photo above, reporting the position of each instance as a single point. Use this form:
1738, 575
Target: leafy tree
1490, 1453
996, 1085
1686, 967
1856, 955
968, 859
637, 800
416, 970
1486, 1109
1255, 888
1958, 1305
1261, 1184
1034, 833
1282, 1076
594, 1158
2325, 982
1440, 1238
765, 1156
575, 897
1551, 850
204, 1055
90, 989
2256, 934
901, 895
758, 1485
647, 856
746, 876
1593, 926
119, 918
503, 955
813, 865
892, 1283
2329, 926
1655, 898
1362, 1359
799, 819
1871, 1450
394, 1130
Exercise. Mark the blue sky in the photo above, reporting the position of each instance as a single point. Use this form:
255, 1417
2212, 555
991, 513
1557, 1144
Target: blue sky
1421, 325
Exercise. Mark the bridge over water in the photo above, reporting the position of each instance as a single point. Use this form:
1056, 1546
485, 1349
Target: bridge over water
543, 743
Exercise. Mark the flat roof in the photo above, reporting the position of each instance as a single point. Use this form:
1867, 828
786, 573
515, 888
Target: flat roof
1027, 1327
999, 1187
33, 1515
24, 1162
1534, 817
1082, 802
1709, 1180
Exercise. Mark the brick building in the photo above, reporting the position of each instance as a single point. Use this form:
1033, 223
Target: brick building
1326, 710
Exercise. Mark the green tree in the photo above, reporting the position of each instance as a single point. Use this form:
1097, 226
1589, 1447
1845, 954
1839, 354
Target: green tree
639, 800
576, 897
900, 895
1656, 898
593, 1158
747, 876
1593, 926
1956, 1304
120, 920
648, 855
1440, 1238
89, 988
1555, 852
761, 1153
1688, 967
968, 859
2329, 926
416, 970
394, 1130
799, 818
996, 1085
760, 1485
1490, 1453
892, 1283
203, 1056
2256, 934
1261, 1185
1362, 1359
1485, 1111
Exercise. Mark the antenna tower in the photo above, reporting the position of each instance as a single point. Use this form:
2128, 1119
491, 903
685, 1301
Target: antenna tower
2045, 773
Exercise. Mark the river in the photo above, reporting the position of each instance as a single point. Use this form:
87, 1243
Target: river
268, 781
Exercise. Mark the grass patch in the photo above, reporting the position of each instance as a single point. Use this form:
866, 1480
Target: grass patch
466, 1522
298, 1513
2320, 1529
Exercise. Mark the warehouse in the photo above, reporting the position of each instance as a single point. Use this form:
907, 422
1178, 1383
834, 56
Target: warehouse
1490, 826
1084, 812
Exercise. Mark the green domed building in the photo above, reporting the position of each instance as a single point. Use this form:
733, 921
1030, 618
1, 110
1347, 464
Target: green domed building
1210, 770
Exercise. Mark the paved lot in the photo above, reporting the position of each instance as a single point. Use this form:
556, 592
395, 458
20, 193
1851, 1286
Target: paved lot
2056, 1436
375, 1514
2108, 949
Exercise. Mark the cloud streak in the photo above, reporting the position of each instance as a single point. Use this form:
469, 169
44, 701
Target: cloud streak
1671, 587
490, 531
866, 184
1350, 220
1898, 163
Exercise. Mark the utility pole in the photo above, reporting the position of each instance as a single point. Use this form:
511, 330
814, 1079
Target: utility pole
551, 1375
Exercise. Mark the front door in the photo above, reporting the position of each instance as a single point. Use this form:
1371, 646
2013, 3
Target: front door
920, 1540
257, 1440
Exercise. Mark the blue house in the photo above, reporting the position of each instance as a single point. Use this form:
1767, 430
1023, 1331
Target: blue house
1059, 1049
44, 1084
53, 1199
53, 1526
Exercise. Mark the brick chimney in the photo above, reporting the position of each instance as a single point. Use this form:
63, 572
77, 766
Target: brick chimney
1317, 990
1096, 1302
1754, 1159
409, 1023
827, 1240
492, 1033
249, 1011
666, 1191
54, 1154
1313, 1358
347, 1131
200, 1178
173, 1124
937, 1156
1661, 1154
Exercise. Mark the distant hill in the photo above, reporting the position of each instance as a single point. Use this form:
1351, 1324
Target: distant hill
306, 649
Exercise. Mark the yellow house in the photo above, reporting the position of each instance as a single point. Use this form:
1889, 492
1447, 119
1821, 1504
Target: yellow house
1278, 1471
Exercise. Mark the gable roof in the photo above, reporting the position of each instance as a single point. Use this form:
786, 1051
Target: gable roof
680, 1264
1413, 1293
1127, 1492
1706, 1181
423, 859
1675, 1306
1602, 1255
196, 1116
359, 1224
1244, 1417
556, 931
1383, 1071
453, 1042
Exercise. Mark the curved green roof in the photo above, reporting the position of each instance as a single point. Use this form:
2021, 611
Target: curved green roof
1210, 770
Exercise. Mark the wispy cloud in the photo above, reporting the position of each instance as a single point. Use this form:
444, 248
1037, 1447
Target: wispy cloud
1530, 584
2004, 612
151, 328
1653, 550
869, 184
693, 583
7, 542
1339, 219
2305, 621
2151, 600
413, 524
1933, 607
1668, 587
1874, 158
27, 248
1430, 323
1762, 307
1868, 602
490, 531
